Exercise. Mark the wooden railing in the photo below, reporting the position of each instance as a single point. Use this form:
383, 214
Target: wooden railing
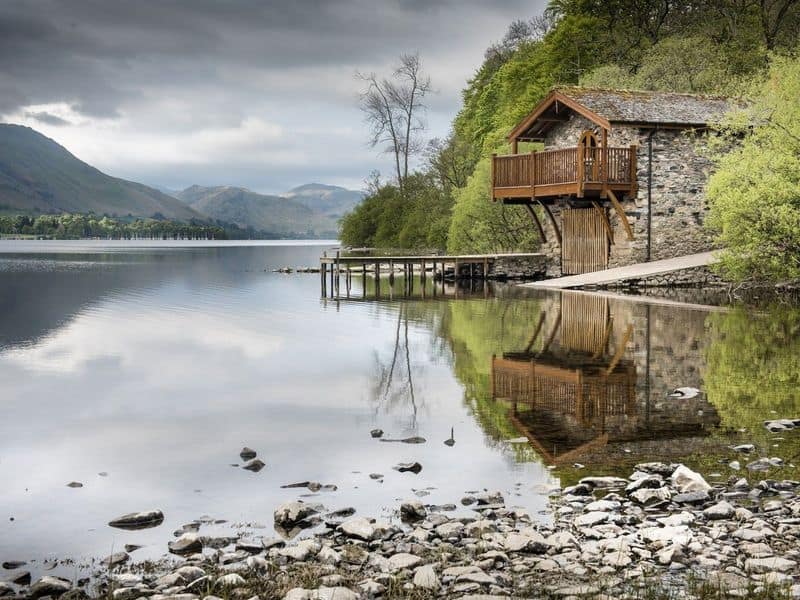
580, 166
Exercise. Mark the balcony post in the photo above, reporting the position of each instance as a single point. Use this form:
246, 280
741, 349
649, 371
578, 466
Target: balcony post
634, 182
532, 177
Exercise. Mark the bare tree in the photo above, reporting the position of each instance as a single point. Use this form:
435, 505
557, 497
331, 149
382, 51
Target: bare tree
394, 109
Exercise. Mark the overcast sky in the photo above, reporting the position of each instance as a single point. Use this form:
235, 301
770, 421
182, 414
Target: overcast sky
254, 93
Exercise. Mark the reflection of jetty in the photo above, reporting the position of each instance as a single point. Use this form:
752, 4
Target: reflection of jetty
573, 389
334, 269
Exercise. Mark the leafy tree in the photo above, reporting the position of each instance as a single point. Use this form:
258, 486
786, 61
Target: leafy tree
754, 195
479, 225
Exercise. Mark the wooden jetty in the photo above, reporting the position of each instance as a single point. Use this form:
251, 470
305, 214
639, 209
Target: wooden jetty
439, 267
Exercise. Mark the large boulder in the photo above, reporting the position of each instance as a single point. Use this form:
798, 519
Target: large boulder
685, 480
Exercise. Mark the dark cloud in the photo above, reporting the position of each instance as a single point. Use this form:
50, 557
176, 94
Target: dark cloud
174, 67
47, 118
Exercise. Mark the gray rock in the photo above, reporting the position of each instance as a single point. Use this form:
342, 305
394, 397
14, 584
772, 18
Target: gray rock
721, 510
254, 465
247, 453
49, 586
290, 514
376, 433
403, 560
412, 510
768, 565
686, 481
231, 580
413, 467
138, 520
358, 527
425, 578
75, 484
188, 543
115, 559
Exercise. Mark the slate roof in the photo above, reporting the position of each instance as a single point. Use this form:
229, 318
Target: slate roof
624, 106
606, 107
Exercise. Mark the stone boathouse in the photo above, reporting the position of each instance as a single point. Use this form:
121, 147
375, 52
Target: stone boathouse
621, 177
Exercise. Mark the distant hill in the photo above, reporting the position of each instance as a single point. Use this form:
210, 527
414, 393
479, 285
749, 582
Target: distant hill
37, 175
330, 200
275, 215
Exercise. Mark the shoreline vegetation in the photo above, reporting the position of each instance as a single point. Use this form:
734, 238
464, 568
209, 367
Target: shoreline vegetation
87, 227
662, 533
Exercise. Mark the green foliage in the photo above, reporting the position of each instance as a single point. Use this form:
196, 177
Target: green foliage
69, 226
691, 64
701, 46
754, 195
388, 219
479, 225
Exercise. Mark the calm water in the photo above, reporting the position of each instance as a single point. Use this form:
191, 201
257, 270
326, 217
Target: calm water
156, 363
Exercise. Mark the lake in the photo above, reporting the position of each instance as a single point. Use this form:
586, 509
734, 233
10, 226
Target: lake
141, 369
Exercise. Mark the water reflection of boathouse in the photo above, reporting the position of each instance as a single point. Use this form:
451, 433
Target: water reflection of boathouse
584, 381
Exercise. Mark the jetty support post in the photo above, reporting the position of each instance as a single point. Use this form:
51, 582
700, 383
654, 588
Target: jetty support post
338, 273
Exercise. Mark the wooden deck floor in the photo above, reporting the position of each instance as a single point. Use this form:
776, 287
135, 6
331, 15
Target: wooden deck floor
637, 271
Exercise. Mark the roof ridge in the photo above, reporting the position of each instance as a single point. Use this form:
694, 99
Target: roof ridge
564, 88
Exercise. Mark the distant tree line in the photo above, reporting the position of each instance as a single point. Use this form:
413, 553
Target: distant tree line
78, 226
729, 47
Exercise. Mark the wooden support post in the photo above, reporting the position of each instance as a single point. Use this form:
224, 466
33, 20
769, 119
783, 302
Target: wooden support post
536, 221
606, 224
456, 273
422, 273
552, 221
348, 279
410, 277
391, 273
364, 280
377, 279
323, 268
485, 268
331, 278
621, 214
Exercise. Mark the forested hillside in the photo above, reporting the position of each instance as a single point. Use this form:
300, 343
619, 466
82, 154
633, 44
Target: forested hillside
38, 176
698, 46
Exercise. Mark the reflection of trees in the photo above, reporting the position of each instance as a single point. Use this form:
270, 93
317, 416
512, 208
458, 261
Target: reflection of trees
753, 366
394, 386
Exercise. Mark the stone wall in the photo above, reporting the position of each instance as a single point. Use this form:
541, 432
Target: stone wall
518, 267
679, 174
694, 277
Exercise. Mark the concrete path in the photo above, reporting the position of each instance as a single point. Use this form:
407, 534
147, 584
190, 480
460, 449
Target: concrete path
637, 271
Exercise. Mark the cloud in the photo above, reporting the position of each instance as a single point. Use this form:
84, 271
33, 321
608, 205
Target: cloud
46, 118
157, 92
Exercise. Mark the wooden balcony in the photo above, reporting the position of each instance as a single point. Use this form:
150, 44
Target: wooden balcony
579, 172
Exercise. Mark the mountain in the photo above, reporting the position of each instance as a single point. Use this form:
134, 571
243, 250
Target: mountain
276, 215
330, 200
39, 175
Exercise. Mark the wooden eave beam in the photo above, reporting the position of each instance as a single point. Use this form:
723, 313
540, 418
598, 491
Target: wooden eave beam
553, 99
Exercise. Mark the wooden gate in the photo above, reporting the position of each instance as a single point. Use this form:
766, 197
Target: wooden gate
584, 246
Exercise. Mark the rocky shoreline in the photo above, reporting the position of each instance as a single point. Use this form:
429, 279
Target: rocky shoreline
662, 533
